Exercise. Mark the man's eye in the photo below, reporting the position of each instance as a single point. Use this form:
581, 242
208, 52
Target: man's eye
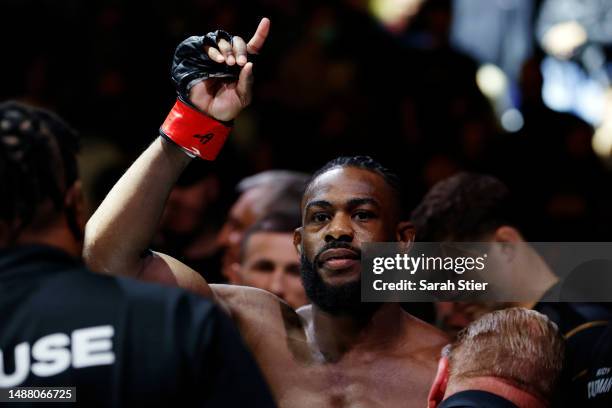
293, 270
263, 266
320, 217
364, 215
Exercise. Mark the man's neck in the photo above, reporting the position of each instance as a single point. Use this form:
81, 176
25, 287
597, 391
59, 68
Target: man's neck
333, 336
539, 275
57, 236
498, 387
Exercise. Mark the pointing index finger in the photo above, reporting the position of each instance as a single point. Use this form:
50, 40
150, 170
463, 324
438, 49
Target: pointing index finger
259, 38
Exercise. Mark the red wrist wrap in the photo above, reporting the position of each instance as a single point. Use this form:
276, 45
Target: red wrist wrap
197, 134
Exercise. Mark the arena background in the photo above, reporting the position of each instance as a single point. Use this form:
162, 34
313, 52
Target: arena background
393, 79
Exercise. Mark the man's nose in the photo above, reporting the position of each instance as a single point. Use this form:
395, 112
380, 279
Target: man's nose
340, 229
277, 283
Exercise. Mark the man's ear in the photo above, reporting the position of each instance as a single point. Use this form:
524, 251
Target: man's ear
507, 239
438, 388
235, 274
405, 232
506, 233
297, 240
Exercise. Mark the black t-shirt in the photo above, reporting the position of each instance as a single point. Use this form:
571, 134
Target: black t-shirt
596, 388
120, 342
581, 324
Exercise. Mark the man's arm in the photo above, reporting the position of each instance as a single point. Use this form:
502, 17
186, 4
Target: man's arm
118, 234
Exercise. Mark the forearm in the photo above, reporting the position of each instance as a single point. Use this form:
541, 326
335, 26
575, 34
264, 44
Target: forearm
121, 229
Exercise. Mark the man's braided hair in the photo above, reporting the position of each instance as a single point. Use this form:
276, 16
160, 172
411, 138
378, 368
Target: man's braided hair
37, 164
366, 163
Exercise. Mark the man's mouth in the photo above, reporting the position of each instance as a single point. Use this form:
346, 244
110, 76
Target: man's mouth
338, 259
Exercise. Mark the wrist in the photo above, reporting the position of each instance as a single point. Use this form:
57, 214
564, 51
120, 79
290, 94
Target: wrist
197, 134
174, 152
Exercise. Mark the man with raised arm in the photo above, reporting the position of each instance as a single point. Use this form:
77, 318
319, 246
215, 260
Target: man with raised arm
336, 352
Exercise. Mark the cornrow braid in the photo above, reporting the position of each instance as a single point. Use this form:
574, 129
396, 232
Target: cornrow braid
37, 162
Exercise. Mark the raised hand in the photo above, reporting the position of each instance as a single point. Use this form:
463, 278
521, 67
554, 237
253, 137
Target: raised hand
224, 97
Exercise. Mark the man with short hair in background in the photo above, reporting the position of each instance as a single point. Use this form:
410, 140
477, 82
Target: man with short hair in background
269, 261
271, 191
509, 358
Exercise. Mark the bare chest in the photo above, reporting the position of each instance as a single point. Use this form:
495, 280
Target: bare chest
354, 382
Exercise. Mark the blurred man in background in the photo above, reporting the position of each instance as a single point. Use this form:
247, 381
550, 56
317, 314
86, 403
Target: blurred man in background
115, 340
473, 207
508, 358
188, 229
478, 208
269, 261
272, 191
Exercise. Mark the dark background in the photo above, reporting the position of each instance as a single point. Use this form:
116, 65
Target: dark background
331, 80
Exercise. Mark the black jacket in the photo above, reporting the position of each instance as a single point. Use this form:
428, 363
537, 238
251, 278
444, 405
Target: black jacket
120, 342
476, 399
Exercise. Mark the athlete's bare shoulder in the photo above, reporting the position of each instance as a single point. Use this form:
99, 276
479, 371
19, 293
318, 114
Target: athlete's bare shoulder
249, 300
258, 312
424, 340
432, 333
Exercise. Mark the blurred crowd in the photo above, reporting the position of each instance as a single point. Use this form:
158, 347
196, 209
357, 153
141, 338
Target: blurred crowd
335, 79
